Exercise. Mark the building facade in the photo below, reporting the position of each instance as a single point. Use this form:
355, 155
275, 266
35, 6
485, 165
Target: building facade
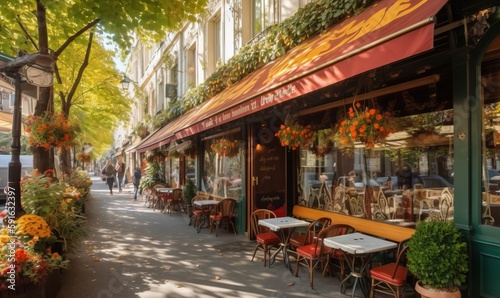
389, 115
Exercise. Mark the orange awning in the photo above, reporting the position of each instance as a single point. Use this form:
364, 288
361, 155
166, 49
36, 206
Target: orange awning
386, 32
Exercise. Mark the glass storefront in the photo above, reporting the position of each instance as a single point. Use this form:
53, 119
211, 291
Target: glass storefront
490, 105
222, 166
403, 175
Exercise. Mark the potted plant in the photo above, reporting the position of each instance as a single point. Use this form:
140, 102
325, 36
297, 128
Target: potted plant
437, 257
189, 192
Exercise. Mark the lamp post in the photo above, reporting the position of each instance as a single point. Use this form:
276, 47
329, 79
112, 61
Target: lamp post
38, 70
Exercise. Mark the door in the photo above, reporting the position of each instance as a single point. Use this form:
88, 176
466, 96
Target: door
267, 171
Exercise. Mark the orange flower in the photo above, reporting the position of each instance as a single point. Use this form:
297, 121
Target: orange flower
21, 255
367, 126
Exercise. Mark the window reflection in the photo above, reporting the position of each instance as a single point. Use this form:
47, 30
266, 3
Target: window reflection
404, 179
490, 104
222, 167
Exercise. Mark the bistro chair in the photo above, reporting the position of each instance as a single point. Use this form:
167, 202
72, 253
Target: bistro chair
226, 212
301, 239
173, 200
315, 253
197, 215
337, 257
266, 239
156, 197
390, 279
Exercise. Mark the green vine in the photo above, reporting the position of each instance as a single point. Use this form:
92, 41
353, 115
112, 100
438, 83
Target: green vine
307, 22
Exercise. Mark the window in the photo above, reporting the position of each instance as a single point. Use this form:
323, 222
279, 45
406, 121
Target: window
191, 66
214, 43
490, 105
222, 166
403, 177
264, 14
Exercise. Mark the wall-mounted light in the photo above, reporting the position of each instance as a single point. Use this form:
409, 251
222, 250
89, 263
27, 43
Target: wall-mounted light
125, 82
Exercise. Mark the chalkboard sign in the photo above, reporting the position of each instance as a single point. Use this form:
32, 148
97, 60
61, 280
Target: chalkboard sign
270, 176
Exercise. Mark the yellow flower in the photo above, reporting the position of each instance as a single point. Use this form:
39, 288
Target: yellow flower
33, 225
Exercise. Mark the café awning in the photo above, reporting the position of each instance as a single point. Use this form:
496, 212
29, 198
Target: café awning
388, 31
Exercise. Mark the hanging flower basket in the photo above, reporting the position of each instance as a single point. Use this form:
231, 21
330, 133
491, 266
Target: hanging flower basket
363, 125
324, 143
50, 130
294, 135
84, 157
225, 147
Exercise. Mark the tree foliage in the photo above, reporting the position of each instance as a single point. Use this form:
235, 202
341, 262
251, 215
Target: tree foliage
65, 29
148, 19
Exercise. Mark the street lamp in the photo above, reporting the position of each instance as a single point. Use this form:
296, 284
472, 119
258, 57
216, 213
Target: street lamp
38, 70
125, 82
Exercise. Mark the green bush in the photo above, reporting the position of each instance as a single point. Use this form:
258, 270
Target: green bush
189, 191
437, 255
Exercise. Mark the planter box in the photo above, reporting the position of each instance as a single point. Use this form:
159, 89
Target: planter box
47, 288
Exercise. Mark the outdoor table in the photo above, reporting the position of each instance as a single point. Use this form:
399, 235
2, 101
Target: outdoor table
160, 191
358, 246
205, 207
285, 226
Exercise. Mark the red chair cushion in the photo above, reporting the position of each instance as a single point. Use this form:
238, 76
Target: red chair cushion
268, 238
384, 273
309, 251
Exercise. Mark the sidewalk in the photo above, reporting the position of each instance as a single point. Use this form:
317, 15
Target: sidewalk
132, 251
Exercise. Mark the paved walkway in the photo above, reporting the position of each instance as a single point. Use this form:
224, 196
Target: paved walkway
132, 251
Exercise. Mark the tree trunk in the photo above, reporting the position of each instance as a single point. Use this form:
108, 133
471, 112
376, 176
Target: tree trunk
41, 157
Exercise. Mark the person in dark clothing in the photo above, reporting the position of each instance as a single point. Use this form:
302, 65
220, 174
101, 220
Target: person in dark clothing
136, 181
120, 170
109, 173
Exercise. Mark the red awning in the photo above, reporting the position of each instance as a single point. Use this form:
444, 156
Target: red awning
386, 32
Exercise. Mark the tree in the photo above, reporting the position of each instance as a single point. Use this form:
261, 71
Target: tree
48, 26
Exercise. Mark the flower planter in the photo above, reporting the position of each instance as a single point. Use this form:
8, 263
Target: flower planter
24, 288
426, 292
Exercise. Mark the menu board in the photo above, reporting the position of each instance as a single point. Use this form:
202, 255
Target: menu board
270, 177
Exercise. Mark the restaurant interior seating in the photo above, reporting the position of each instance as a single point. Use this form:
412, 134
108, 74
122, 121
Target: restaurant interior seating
445, 209
266, 239
316, 253
390, 279
225, 215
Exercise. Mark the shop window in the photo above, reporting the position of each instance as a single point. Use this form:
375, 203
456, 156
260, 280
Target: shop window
490, 105
222, 167
400, 178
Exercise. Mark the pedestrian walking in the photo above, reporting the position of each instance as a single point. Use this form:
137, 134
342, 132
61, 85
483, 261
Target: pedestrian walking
136, 181
109, 173
120, 170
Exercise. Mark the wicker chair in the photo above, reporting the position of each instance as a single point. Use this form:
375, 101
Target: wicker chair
312, 231
311, 255
390, 279
225, 215
173, 201
265, 238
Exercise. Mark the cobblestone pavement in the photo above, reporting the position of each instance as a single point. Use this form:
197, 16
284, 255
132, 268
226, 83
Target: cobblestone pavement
133, 251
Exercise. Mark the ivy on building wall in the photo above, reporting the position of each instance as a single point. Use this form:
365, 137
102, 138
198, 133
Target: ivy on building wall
307, 22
